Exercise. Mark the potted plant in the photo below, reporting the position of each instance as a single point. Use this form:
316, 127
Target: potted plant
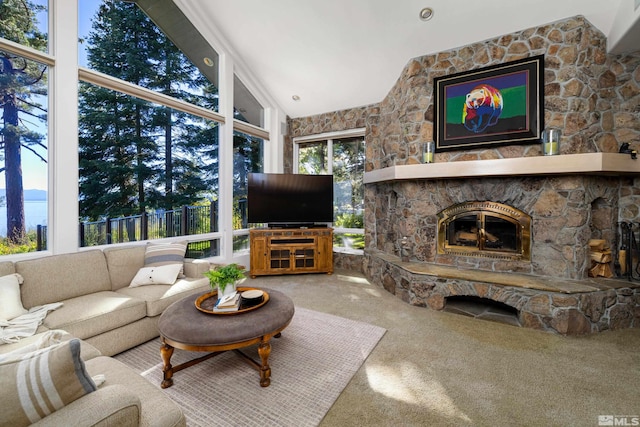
222, 276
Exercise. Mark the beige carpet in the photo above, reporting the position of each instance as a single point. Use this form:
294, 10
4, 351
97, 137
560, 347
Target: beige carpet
311, 364
443, 369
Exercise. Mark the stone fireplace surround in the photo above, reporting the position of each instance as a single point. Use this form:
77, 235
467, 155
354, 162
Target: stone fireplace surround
571, 199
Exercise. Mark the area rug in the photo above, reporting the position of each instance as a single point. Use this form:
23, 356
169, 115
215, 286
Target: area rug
311, 364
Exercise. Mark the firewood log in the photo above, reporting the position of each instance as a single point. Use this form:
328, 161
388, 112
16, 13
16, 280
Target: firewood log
598, 244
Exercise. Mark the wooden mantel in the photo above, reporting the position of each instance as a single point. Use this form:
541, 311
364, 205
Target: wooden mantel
587, 163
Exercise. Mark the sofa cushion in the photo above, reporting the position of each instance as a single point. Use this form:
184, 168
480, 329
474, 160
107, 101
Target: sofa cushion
160, 275
59, 277
114, 405
90, 315
123, 263
157, 408
196, 267
7, 267
43, 382
10, 301
159, 297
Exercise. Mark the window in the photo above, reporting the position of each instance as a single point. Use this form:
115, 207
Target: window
145, 168
247, 158
148, 164
131, 128
121, 40
343, 156
246, 106
25, 23
24, 75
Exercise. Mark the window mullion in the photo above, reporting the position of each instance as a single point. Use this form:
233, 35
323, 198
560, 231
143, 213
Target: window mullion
113, 83
329, 156
26, 52
250, 129
225, 154
63, 131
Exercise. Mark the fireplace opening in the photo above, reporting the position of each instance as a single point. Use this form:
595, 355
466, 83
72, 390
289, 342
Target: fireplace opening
482, 308
485, 229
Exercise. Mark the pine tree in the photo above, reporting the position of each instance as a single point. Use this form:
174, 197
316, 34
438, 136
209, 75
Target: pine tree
135, 156
21, 83
247, 157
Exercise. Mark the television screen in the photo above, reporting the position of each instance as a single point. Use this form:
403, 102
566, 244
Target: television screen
289, 199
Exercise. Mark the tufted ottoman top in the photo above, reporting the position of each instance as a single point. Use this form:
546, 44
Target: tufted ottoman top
183, 323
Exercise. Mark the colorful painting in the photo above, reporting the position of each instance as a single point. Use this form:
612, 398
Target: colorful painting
497, 105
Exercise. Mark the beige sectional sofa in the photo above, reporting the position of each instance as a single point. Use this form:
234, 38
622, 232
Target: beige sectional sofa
108, 316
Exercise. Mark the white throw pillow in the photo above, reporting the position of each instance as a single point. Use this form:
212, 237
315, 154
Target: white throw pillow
163, 275
10, 301
159, 254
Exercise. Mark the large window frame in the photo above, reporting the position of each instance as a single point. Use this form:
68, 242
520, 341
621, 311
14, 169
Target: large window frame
329, 138
65, 73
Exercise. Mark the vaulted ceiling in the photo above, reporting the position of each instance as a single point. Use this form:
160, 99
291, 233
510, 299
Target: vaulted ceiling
337, 54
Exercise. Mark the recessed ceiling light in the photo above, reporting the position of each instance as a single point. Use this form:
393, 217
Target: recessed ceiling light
426, 14
208, 61
295, 98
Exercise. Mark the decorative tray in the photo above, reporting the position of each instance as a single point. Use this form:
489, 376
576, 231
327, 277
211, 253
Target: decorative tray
205, 302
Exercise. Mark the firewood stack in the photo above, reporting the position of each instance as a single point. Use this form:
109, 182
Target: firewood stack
600, 259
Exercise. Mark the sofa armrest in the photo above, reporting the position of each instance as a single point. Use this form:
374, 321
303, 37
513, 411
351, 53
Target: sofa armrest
112, 405
196, 267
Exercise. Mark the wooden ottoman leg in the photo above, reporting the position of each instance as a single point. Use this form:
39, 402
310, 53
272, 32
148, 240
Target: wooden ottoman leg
264, 350
166, 351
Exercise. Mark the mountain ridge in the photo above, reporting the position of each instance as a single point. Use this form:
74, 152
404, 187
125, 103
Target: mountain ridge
32, 195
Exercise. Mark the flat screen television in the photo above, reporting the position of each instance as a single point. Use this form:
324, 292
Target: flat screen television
289, 200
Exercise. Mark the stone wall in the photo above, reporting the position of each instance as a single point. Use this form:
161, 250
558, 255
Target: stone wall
336, 121
592, 96
348, 261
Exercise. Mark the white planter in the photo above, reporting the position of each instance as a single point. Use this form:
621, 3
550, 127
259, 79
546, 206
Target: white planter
228, 290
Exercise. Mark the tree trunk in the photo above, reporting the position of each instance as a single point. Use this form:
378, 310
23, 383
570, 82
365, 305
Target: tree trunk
13, 172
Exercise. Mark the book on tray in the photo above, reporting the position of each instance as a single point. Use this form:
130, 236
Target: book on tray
237, 301
228, 303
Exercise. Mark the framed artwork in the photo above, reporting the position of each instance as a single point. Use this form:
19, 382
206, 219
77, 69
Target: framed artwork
497, 105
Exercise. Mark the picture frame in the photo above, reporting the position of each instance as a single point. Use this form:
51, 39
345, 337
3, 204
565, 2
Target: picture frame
496, 105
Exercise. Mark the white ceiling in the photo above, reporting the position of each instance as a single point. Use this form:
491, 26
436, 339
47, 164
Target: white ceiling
337, 54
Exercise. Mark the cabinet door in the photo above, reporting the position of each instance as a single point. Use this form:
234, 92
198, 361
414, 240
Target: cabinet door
325, 252
280, 258
305, 258
258, 254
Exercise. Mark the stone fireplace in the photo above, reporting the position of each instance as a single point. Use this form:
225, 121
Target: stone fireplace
527, 248
544, 210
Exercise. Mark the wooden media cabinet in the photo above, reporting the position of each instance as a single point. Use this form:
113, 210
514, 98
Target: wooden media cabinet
291, 251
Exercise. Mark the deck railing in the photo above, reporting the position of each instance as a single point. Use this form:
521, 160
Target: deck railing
187, 220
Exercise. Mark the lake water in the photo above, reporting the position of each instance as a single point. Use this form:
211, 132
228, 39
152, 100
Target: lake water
35, 213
